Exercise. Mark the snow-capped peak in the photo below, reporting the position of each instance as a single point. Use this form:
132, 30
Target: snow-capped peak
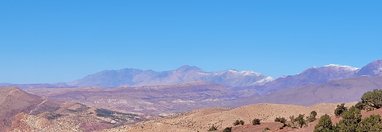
350, 68
264, 81
244, 73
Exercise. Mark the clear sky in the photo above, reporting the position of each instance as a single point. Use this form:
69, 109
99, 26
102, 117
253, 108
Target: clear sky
63, 40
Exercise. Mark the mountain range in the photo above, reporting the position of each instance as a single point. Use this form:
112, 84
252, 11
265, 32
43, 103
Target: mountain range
230, 78
183, 75
146, 94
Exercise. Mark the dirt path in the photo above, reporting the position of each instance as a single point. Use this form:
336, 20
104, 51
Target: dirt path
38, 105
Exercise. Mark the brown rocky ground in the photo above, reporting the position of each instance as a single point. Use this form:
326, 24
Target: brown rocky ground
202, 120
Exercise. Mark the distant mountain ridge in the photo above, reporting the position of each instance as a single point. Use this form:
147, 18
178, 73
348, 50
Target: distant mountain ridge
371, 69
311, 76
184, 74
231, 78
176, 91
343, 90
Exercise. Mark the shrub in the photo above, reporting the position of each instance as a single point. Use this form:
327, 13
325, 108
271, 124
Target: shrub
281, 120
228, 129
350, 120
370, 124
324, 124
297, 122
292, 122
256, 122
292, 119
300, 120
213, 128
241, 122
238, 122
312, 116
361, 105
373, 99
340, 109
313, 113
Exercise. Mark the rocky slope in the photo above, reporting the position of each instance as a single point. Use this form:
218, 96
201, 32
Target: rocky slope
21, 111
71, 117
14, 101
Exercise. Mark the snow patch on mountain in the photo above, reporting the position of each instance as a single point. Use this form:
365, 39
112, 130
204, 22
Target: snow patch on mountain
264, 81
243, 73
343, 67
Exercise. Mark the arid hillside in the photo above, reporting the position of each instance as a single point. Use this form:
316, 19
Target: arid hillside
202, 120
22, 112
14, 101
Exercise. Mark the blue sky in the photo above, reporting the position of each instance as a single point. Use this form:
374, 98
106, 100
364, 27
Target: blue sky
56, 41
